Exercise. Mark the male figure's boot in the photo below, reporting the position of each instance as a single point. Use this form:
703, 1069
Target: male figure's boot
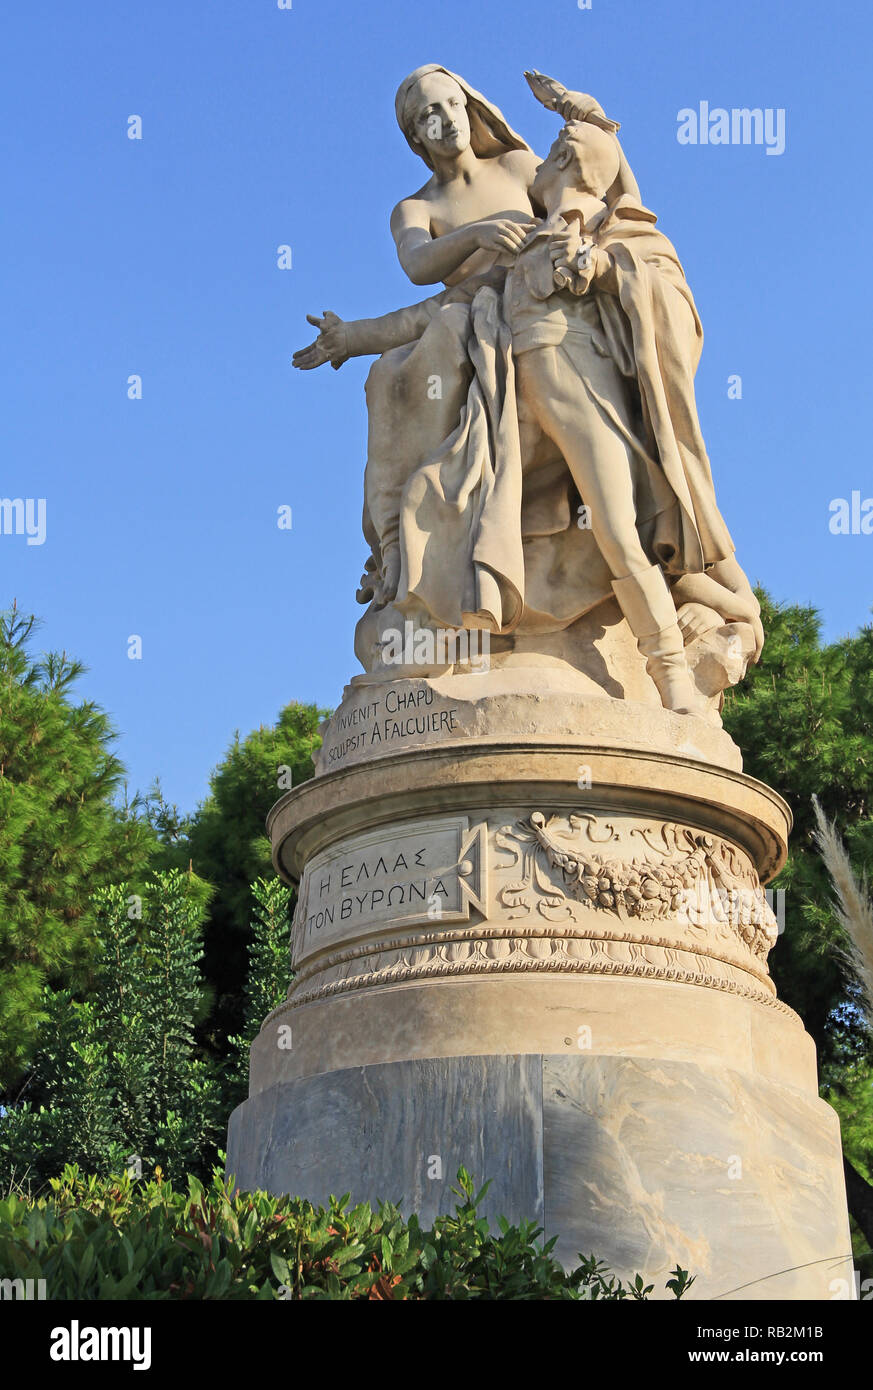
648, 606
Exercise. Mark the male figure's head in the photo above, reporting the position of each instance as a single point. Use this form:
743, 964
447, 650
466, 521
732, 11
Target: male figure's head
583, 159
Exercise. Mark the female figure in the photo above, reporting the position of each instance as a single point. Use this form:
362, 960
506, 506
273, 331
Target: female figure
462, 227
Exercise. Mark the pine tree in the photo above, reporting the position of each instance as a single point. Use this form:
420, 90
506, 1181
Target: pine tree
61, 834
803, 719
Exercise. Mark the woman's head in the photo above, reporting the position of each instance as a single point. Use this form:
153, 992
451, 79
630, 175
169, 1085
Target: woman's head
440, 113
435, 115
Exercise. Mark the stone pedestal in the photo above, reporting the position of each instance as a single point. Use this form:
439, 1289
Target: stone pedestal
543, 955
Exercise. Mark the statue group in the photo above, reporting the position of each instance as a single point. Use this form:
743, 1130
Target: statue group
531, 934
534, 444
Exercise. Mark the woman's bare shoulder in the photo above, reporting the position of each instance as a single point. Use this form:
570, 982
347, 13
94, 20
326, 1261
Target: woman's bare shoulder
522, 163
413, 211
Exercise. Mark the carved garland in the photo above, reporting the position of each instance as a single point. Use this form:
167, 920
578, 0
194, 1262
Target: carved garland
697, 879
686, 877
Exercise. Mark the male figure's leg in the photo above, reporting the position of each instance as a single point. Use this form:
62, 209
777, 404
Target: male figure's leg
600, 460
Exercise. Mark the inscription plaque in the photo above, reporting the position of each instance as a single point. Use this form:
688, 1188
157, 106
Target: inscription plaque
428, 871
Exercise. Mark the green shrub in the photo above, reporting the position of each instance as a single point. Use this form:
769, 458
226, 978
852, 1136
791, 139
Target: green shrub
116, 1238
117, 1078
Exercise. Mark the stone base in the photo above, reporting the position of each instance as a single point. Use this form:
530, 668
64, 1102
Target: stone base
533, 940
644, 1162
595, 654
516, 708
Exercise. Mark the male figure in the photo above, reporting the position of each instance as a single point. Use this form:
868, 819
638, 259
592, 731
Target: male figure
597, 305
595, 302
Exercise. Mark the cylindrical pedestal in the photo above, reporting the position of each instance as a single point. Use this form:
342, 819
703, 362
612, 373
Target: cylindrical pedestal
547, 962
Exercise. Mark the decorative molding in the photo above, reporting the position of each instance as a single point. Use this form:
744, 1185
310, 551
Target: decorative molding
733, 953
602, 895
550, 952
697, 879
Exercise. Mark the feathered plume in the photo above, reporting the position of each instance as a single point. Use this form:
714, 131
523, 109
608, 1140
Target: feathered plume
852, 906
553, 95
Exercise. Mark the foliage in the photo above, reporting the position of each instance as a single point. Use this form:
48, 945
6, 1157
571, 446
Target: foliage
116, 1079
113, 998
97, 1238
269, 975
225, 841
804, 721
849, 1089
850, 1092
61, 835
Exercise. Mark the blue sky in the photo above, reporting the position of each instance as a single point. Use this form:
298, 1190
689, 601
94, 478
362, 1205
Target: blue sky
264, 126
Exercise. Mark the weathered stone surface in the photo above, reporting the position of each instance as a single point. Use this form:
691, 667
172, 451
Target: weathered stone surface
527, 705
534, 1011
608, 931
645, 1162
532, 934
379, 1131
653, 1162
535, 465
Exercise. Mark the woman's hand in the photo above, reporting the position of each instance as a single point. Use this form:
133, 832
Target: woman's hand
331, 345
502, 233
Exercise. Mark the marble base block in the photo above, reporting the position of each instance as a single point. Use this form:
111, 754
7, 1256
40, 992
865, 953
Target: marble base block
644, 1162
531, 938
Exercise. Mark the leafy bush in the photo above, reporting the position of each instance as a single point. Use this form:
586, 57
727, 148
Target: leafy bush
226, 843
116, 1079
269, 976
97, 1238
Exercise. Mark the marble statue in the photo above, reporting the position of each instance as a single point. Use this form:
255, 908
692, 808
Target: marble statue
534, 446
532, 927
